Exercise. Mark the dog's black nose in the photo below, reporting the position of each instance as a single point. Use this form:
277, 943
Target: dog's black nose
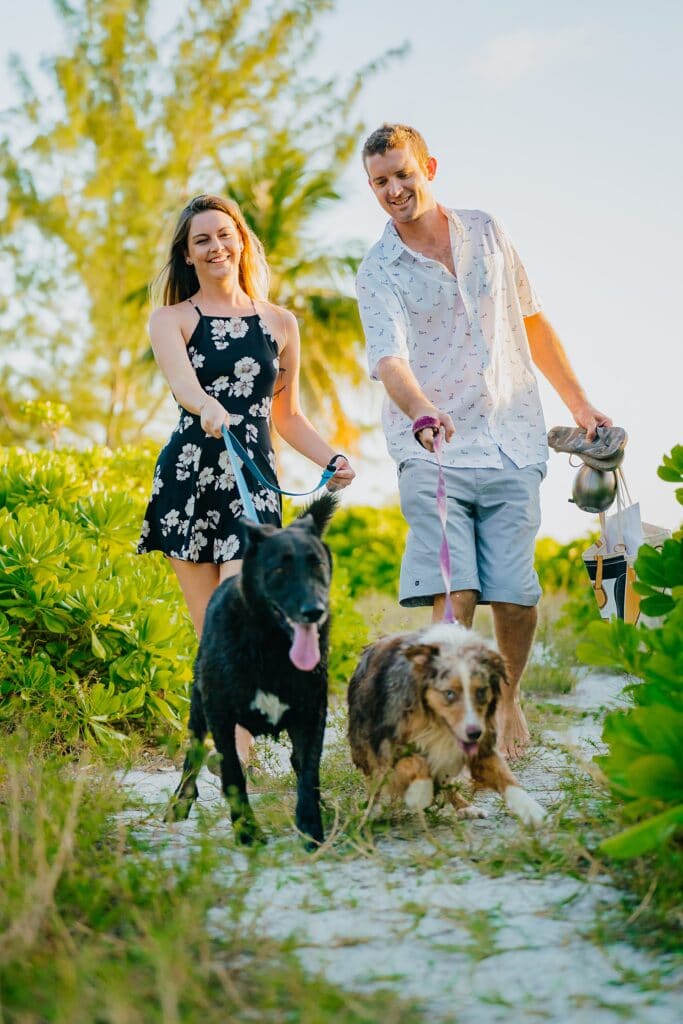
473, 732
312, 612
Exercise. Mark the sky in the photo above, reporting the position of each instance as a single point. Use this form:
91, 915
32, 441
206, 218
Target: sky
564, 120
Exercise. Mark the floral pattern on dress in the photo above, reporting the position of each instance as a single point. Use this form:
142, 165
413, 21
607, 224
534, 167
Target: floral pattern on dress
189, 457
225, 550
195, 511
234, 327
261, 408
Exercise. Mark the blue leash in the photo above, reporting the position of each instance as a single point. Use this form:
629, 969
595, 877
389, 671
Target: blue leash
236, 452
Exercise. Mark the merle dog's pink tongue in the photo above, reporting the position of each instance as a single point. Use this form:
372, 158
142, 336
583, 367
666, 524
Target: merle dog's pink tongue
305, 652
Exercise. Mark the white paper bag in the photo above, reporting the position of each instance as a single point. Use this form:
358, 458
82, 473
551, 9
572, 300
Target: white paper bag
624, 530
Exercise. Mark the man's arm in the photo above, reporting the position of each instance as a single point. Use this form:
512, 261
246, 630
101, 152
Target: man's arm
404, 390
550, 357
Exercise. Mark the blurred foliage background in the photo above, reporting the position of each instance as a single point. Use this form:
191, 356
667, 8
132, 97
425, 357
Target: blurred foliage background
94, 180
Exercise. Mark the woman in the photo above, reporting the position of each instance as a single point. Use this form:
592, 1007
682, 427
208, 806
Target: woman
231, 358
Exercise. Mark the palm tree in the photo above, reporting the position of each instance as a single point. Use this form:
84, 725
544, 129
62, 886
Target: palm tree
281, 193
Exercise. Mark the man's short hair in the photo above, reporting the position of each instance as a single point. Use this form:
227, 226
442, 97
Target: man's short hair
391, 136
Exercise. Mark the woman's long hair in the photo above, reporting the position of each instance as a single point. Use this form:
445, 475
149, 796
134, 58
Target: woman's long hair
178, 280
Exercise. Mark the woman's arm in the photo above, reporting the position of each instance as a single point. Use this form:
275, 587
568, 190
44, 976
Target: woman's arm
288, 419
170, 352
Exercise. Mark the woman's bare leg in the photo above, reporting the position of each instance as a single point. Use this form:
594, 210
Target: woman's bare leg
244, 741
198, 582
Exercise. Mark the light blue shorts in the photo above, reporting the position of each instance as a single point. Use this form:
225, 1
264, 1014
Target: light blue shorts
493, 519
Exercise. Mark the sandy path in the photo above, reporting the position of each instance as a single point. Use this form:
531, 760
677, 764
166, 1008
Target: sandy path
418, 915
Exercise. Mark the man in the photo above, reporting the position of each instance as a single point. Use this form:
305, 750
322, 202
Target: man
452, 326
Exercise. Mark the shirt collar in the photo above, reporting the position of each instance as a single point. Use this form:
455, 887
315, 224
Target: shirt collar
392, 245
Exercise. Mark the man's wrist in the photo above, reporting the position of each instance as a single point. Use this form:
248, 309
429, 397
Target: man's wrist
421, 409
577, 403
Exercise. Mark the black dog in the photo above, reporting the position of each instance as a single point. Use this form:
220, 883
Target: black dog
262, 664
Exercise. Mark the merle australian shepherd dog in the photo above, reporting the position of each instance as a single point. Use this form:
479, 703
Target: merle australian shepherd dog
262, 664
421, 708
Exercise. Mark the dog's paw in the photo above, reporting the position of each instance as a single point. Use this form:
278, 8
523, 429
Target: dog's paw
471, 812
176, 811
313, 843
247, 833
179, 807
419, 795
524, 806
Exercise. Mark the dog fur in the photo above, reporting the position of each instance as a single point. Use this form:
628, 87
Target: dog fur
421, 708
244, 672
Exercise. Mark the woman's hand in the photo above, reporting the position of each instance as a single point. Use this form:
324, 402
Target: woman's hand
343, 474
213, 416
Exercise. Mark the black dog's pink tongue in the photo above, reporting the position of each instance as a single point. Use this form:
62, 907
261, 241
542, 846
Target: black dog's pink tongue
305, 652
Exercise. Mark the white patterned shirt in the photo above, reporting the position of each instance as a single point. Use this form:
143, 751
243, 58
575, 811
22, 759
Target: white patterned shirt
464, 338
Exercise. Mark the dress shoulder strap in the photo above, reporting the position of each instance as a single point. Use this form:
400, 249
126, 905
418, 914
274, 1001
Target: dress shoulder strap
195, 306
283, 323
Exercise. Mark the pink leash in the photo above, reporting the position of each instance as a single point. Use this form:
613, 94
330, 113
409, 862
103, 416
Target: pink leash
444, 554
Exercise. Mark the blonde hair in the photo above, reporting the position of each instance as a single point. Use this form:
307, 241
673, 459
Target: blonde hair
391, 136
177, 280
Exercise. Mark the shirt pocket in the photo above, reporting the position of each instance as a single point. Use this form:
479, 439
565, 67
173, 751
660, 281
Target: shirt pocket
490, 273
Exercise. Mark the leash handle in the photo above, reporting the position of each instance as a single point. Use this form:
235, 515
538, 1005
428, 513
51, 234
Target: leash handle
236, 450
444, 554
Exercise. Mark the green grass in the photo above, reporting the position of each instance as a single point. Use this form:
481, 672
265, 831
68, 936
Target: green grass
98, 925
102, 921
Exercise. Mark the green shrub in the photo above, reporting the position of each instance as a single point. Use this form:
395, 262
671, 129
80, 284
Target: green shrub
369, 543
95, 639
644, 766
92, 635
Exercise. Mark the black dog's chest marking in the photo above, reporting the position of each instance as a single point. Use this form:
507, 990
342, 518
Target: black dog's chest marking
269, 705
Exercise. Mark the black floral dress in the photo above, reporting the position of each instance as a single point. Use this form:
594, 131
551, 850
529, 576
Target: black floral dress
195, 509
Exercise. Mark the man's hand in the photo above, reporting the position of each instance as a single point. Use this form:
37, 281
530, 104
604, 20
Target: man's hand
426, 436
588, 417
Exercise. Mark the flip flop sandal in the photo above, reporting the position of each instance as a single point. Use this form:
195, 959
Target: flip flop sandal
605, 452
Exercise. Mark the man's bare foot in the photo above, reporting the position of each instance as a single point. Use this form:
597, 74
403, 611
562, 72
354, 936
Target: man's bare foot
513, 732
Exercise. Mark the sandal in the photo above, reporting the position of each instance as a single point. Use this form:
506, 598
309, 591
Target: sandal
605, 452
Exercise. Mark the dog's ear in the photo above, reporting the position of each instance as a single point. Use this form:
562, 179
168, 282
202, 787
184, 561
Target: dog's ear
256, 532
422, 656
304, 522
317, 515
492, 663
